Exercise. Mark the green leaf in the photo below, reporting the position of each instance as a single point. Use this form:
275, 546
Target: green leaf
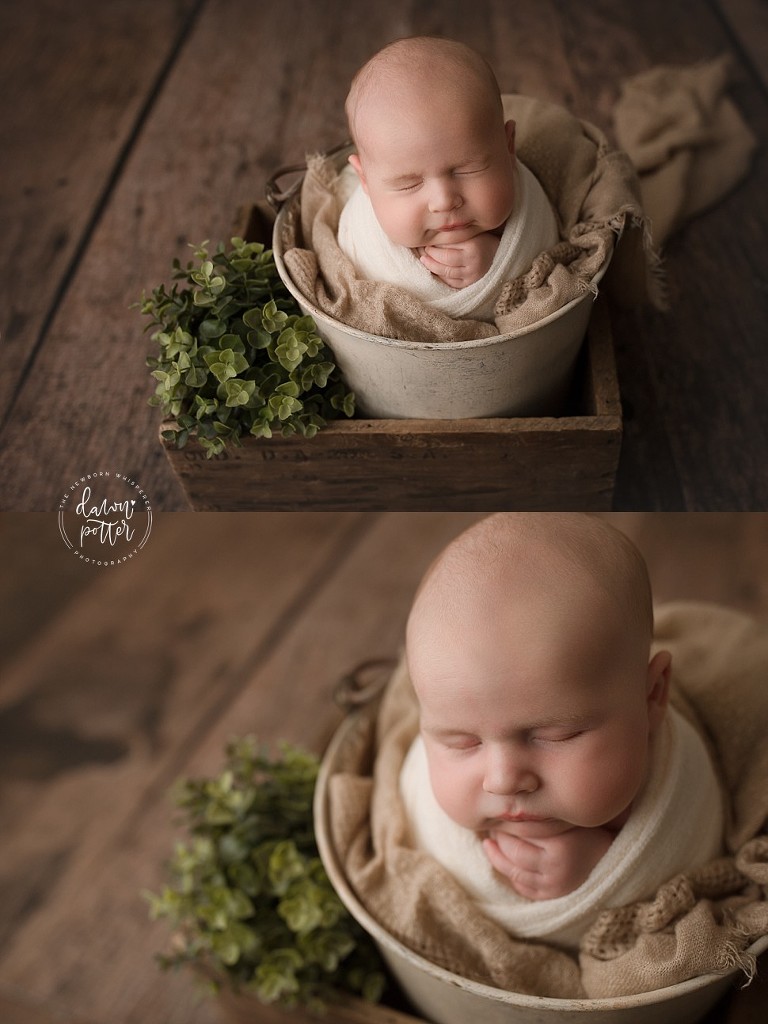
254, 317
285, 865
305, 323
238, 392
321, 372
235, 344
284, 407
196, 377
261, 428
212, 446
259, 338
210, 330
273, 985
226, 948
290, 349
226, 364
273, 319
289, 388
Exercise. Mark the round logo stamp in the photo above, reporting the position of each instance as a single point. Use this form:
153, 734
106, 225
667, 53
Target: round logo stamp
105, 518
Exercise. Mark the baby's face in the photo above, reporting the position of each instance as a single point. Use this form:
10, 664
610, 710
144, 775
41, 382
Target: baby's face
535, 718
437, 174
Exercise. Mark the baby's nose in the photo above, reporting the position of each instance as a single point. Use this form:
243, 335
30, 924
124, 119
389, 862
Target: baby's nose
444, 196
505, 775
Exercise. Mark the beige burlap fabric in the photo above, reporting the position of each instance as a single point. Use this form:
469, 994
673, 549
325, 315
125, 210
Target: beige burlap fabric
696, 924
687, 140
593, 189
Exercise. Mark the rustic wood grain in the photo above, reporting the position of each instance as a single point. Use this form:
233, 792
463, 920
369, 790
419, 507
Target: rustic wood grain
748, 20
721, 557
238, 102
74, 85
28, 544
484, 466
242, 1010
15, 1009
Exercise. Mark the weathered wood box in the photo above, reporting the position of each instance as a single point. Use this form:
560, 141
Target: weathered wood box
483, 465
237, 1009
566, 462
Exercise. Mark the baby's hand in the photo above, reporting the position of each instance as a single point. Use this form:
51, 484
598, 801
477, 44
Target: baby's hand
461, 264
542, 869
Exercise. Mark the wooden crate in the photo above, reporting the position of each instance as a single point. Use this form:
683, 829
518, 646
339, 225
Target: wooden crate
239, 1009
566, 462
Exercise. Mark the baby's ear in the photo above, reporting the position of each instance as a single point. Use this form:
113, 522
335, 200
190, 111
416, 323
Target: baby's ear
657, 687
354, 160
509, 128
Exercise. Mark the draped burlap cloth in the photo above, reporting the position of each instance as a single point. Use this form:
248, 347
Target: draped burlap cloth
678, 131
688, 142
697, 923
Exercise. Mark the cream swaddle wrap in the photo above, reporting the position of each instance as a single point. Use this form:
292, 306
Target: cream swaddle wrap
530, 230
675, 826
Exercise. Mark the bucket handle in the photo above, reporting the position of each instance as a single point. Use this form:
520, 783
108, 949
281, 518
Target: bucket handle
364, 683
276, 196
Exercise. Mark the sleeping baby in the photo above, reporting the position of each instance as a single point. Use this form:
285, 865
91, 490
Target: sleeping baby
443, 208
550, 775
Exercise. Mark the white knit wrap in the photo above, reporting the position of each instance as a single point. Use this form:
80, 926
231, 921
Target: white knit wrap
529, 231
675, 825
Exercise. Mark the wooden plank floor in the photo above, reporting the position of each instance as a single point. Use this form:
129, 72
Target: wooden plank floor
132, 127
121, 680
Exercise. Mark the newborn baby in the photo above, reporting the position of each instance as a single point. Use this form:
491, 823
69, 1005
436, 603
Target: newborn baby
443, 207
550, 775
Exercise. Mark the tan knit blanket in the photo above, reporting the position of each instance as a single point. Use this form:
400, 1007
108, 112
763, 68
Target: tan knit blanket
688, 142
697, 923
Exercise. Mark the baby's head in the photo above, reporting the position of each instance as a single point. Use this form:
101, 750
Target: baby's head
433, 151
528, 645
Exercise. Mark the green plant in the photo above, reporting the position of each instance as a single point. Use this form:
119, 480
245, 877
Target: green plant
249, 895
236, 355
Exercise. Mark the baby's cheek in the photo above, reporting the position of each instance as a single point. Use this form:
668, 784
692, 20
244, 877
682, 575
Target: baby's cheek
503, 203
603, 795
455, 793
399, 223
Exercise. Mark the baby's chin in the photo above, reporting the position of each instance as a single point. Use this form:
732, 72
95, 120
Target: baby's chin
455, 236
529, 829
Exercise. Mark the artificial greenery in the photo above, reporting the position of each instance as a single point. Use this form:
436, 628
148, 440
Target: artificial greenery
249, 894
236, 355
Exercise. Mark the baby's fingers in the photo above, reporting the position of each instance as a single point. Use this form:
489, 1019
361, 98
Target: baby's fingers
519, 852
453, 276
524, 881
445, 256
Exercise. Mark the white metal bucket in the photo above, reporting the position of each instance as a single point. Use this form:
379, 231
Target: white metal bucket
447, 998
525, 373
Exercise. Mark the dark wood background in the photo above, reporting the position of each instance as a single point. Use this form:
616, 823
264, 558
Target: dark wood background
115, 682
130, 128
